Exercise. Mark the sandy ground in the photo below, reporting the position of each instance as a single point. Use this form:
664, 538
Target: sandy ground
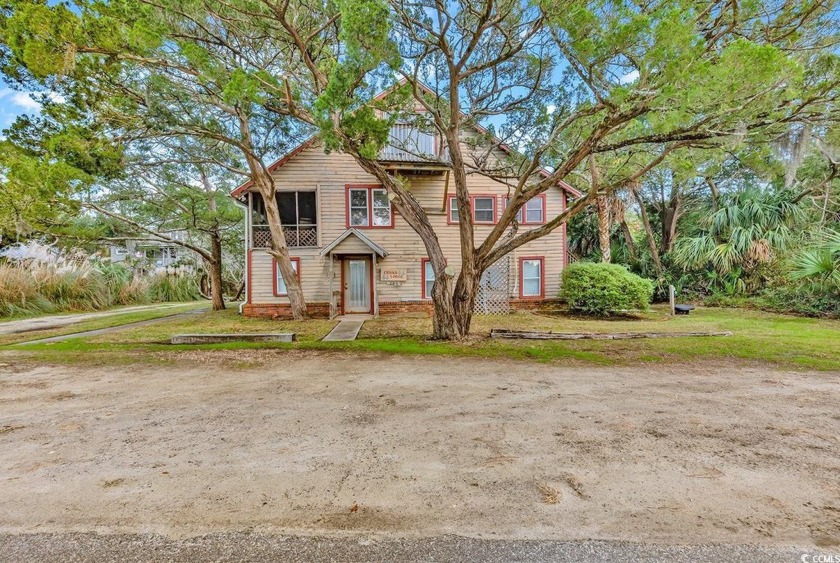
329, 443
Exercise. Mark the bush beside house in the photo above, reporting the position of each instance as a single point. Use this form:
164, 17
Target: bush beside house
604, 289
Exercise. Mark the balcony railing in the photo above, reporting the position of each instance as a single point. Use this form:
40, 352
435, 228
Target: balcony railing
407, 143
296, 236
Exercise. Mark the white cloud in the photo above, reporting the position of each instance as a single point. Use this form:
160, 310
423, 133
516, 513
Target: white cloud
23, 100
550, 108
56, 98
630, 77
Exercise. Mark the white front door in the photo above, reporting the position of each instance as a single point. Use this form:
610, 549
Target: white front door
357, 285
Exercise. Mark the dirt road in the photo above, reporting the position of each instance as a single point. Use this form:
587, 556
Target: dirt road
305, 443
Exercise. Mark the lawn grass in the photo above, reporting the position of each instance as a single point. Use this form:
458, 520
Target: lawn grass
785, 341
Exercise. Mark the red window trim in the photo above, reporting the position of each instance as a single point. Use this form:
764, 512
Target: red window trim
542, 277
495, 209
423, 262
369, 188
275, 289
522, 214
449, 208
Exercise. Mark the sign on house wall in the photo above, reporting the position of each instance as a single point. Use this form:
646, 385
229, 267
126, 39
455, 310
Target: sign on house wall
393, 274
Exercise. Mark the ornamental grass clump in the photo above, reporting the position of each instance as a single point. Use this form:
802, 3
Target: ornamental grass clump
36, 287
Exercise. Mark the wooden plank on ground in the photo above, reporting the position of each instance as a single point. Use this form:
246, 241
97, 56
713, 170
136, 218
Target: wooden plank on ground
543, 335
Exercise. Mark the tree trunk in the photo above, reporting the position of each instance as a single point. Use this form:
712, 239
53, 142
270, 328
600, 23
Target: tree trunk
715, 193
669, 216
628, 238
443, 318
215, 265
603, 209
279, 250
604, 228
654, 252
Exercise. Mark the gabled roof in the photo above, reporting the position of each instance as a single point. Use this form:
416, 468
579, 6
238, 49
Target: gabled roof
381, 252
309, 142
278, 163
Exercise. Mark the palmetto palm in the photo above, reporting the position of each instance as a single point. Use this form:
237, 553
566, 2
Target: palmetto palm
749, 229
820, 263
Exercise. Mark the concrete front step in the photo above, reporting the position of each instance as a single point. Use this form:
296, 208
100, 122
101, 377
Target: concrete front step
219, 338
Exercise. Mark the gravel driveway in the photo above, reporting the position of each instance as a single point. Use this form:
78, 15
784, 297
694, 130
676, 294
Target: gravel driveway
280, 442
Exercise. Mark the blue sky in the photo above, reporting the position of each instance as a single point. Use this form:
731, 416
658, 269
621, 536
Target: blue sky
14, 103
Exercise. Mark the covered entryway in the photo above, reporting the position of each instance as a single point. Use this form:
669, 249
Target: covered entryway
352, 259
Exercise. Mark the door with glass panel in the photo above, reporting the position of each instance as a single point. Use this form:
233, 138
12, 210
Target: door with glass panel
357, 285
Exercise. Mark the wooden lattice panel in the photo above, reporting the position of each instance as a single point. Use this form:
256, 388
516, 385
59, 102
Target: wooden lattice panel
302, 236
295, 236
493, 297
261, 237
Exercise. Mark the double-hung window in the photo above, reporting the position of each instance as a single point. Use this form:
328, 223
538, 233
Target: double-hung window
453, 210
279, 282
428, 278
484, 209
531, 277
368, 207
533, 212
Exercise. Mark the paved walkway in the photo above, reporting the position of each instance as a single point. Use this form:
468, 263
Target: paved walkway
58, 321
110, 329
347, 329
107, 330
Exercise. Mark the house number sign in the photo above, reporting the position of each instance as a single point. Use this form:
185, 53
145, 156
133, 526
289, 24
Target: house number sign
393, 275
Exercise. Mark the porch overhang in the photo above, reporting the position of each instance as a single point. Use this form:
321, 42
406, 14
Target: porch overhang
332, 248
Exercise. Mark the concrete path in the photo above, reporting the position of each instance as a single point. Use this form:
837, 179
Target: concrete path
110, 329
248, 546
347, 329
58, 321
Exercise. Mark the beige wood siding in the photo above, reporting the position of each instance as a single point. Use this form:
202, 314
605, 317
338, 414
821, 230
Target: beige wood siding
331, 173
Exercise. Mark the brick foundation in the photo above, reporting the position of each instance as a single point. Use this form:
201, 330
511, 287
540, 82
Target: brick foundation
284, 311
322, 310
391, 307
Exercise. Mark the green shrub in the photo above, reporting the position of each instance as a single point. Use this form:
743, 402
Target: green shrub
604, 289
803, 298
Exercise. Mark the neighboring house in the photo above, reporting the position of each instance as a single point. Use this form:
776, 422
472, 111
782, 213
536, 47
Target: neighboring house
354, 253
152, 254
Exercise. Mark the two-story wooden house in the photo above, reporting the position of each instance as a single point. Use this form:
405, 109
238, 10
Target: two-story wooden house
355, 254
